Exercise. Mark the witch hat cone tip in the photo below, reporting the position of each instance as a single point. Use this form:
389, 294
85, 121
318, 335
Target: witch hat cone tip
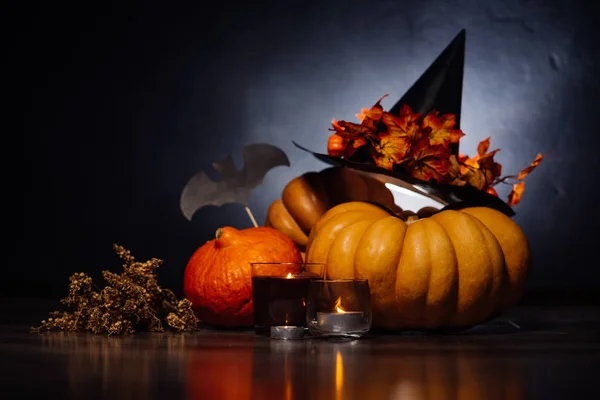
460, 37
440, 86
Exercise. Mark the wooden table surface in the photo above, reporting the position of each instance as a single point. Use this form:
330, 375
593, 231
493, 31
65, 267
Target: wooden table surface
554, 355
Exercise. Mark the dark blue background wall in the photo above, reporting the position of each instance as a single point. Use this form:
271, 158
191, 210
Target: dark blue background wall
118, 106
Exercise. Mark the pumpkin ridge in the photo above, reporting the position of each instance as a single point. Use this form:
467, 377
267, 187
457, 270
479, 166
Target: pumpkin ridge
345, 252
475, 273
515, 248
428, 247
498, 266
452, 295
490, 287
306, 199
280, 218
331, 228
426, 311
199, 274
377, 260
454, 305
345, 208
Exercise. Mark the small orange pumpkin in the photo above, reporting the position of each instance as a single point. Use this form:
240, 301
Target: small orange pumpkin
218, 276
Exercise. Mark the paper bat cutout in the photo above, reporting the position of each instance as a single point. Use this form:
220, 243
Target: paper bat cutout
235, 186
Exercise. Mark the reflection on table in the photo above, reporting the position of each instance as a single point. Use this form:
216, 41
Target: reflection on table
241, 366
350, 370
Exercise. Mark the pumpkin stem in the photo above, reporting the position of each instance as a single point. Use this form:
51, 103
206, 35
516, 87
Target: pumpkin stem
411, 219
219, 233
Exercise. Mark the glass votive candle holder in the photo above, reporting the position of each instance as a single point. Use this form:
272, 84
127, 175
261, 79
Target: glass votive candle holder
279, 292
339, 308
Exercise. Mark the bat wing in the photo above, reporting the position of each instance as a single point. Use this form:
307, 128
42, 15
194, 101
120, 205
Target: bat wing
260, 158
234, 186
200, 191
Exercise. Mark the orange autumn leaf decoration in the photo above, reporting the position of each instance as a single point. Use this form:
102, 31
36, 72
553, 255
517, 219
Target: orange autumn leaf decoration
389, 151
355, 136
370, 117
492, 191
481, 171
514, 196
535, 163
421, 145
429, 162
441, 129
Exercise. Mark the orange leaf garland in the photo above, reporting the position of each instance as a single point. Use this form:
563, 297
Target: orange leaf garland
515, 195
483, 146
354, 145
390, 151
350, 130
421, 146
531, 167
454, 175
492, 191
441, 129
491, 169
475, 177
429, 162
353, 136
405, 126
371, 117
481, 171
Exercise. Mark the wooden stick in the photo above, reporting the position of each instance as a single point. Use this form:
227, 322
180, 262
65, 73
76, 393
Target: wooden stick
251, 216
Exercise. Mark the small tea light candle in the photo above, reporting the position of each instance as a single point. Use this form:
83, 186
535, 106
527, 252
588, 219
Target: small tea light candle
340, 321
286, 332
279, 293
329, 318
280, 301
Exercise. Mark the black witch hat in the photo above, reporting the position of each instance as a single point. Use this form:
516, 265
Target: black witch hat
438, 88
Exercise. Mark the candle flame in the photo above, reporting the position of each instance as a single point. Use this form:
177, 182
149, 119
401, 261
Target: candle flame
289, 276
338, 305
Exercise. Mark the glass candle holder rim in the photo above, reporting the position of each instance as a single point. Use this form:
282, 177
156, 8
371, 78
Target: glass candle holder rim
286, 263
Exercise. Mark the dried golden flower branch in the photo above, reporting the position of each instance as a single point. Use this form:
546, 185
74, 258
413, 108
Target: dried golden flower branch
131, 301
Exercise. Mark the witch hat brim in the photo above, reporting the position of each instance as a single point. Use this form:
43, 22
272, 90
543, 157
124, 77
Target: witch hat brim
438, 88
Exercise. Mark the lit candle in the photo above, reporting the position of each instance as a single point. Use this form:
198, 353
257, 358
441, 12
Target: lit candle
287, 332
279, 301
340, 321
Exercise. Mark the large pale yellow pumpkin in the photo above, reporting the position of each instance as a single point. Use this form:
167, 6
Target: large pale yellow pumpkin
453, 269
